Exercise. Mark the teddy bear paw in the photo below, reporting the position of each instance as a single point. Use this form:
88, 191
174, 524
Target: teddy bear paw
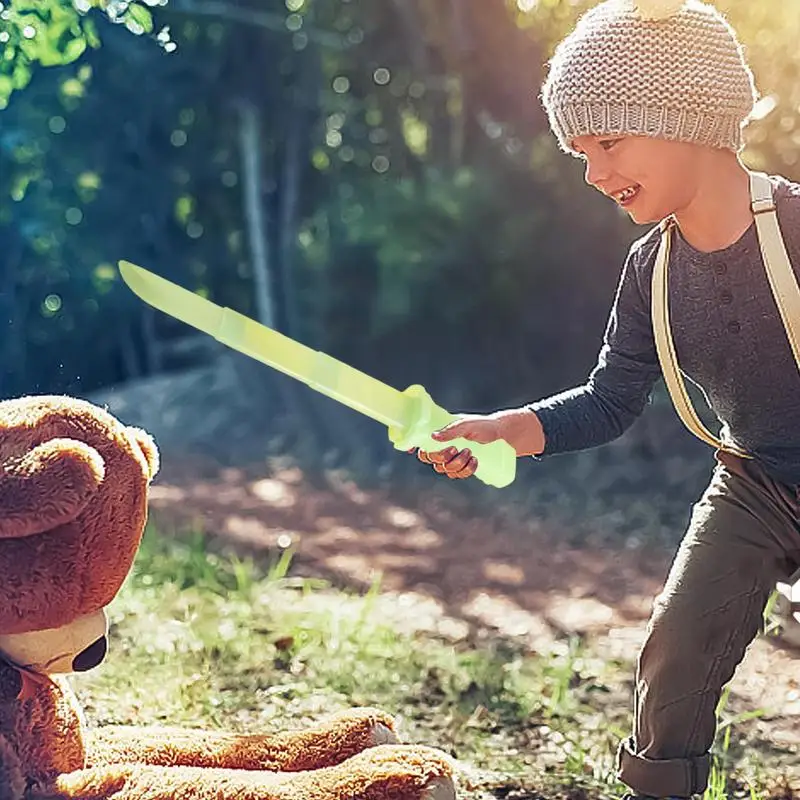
439, 789
382, 734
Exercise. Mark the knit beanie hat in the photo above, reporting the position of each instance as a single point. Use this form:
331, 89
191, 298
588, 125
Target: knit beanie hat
666, 68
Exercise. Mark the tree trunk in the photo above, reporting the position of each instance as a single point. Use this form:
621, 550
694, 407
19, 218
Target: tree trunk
128, 355
457, 85
13, 352
409, 19
287, 234
297, 143
155, 224
152, 350
307, 425
253, 201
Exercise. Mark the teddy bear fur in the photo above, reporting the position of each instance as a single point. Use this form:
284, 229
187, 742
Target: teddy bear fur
73, 506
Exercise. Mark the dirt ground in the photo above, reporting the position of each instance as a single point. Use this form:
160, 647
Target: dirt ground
478, 571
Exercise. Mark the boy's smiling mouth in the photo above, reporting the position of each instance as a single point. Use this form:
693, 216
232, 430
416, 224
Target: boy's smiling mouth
626, 195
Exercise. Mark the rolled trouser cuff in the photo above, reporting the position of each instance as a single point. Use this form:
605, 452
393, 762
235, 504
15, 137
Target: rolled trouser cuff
669, 777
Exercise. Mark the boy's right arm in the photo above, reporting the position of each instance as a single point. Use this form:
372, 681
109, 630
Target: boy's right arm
587, 416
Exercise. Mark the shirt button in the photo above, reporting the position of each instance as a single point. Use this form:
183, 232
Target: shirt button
720, 267
734, 327
726, 297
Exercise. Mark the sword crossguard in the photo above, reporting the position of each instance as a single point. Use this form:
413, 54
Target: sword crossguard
497, 461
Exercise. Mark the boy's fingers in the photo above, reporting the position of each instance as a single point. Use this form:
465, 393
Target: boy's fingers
470, 468
442, 456
436, 456
473, 430
459, 461
454, 430
466, 471
451, 461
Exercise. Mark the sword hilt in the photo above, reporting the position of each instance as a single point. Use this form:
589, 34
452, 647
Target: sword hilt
497, 461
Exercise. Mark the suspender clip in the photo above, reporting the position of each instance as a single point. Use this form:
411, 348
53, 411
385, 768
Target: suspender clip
764, 206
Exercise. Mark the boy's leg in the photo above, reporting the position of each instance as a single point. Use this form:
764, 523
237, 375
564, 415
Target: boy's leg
742, 535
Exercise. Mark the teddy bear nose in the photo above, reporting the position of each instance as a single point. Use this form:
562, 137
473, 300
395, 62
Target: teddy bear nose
91, 656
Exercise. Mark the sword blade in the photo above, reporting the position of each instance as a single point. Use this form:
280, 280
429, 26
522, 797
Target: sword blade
318, 370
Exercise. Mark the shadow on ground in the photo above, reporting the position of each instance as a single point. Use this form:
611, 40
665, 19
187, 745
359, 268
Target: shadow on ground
519, 583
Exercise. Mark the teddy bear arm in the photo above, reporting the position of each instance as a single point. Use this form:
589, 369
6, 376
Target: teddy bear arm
381, 773
139, 781
328, 742
47, 487
179, 747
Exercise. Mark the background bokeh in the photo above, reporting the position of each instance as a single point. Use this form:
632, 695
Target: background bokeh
373, 177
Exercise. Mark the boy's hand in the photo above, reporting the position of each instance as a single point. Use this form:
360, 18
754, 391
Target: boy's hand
457, 463
519, 427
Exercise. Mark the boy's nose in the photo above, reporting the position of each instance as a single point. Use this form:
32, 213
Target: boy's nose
596, 172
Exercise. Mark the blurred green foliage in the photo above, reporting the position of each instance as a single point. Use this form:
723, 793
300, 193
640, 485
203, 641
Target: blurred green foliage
53, 33
404, 207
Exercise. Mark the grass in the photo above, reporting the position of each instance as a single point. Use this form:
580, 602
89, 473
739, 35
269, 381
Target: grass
204, 639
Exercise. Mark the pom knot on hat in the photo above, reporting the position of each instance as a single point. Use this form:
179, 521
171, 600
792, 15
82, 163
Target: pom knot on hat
672, 69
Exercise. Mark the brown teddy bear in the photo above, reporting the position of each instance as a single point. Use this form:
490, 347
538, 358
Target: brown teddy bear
73, 505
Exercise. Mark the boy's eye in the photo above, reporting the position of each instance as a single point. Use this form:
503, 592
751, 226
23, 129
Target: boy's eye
607, 144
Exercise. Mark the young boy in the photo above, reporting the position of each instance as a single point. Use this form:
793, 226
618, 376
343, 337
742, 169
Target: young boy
654, 98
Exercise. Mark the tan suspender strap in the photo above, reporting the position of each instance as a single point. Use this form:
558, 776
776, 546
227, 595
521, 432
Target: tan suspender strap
784, 290
779, 269
665, 347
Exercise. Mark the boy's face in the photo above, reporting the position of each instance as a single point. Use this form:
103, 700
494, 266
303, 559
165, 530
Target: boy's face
649, 178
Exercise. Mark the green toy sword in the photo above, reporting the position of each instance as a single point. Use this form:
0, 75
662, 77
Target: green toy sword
411, 416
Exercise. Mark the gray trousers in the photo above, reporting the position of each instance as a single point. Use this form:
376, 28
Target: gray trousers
742, 538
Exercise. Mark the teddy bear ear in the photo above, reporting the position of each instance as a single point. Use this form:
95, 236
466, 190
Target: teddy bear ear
148, 447
48, 487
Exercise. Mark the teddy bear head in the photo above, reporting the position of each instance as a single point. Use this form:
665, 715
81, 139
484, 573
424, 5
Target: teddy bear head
73, 506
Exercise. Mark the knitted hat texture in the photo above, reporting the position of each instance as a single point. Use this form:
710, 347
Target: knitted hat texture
661, 68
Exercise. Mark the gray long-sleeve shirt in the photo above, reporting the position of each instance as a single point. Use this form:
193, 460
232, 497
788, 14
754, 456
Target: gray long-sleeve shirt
729, 340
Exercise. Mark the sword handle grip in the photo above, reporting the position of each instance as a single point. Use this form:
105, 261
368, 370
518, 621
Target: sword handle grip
497, 461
